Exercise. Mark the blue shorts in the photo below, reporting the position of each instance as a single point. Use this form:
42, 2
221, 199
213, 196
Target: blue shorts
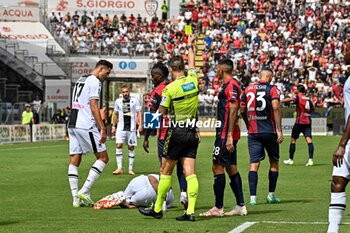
258, 143
299, 128
220, 154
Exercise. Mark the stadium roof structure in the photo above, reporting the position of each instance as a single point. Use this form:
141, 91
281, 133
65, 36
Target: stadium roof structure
28, 3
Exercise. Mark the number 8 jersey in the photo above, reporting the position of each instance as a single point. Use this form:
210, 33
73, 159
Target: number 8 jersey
87, 87
258, 98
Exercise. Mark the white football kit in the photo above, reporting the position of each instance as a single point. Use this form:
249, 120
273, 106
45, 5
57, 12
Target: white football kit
140, 192
82, 130
126, 128
344, 169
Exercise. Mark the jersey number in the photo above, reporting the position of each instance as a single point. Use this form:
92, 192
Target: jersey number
260, 98
77, 91
216, 150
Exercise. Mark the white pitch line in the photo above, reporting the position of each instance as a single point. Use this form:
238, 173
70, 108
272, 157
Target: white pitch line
301, 223
28, 148
242, 227
246, 225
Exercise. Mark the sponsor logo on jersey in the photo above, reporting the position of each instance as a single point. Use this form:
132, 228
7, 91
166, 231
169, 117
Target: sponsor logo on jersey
188, 87
163, 100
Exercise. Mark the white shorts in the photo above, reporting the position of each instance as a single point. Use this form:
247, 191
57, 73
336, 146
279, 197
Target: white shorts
126, 136
82, 141
344, 169
140, 192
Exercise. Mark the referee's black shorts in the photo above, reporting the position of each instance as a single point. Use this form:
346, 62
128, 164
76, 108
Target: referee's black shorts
180, 142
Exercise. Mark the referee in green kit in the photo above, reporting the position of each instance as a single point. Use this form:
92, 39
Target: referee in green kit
180, 102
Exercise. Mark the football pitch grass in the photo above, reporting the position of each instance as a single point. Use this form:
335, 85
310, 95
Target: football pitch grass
35, 195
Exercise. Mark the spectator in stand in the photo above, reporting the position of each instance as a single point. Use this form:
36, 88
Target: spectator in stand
291, 36
27, 116
201, 103
59, 117
37, 104
165, 10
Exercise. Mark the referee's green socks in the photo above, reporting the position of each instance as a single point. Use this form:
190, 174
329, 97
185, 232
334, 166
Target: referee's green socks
192, 192
163, 188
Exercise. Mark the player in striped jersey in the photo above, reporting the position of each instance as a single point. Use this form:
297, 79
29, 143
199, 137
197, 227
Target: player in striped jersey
127, 110
260, 108
225, 146
302, 124
84, 135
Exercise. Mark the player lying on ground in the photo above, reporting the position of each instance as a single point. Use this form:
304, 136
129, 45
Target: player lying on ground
141, 191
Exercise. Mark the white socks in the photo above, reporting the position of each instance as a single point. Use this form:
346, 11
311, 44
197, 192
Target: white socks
131, 159
73, 181
336, 211
94, 173
119, 158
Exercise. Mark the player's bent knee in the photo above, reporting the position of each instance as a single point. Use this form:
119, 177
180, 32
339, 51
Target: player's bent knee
103, 156
218, 169
75, 160
338, 184
337, 188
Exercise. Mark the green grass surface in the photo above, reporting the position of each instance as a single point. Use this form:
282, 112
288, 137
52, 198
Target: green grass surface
35, 195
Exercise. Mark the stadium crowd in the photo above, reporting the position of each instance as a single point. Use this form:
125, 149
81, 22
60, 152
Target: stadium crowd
302, 41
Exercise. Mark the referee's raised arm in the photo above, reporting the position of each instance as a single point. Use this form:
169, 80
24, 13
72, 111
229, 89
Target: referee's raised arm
190, 47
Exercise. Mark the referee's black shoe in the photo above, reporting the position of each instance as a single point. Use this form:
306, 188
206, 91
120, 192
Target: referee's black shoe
149, 211
186, 217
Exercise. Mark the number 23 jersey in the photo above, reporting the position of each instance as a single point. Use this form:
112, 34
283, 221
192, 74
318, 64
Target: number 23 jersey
87, 87
258, 97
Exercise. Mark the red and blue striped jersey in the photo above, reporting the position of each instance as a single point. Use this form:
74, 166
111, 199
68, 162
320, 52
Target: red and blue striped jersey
230, 92
258, 98
303, 107
155, 99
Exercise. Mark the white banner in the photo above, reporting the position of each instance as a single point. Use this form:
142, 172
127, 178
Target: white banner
58, 91
319, 126
13, 13
47, 132
122, 68
146, 8
14, 133
33, 33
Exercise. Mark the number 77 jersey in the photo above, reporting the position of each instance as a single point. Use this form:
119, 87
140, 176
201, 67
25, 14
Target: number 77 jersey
87, 87
258, 97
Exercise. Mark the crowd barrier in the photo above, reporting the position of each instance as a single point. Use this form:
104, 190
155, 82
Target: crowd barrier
56, 132
319, 127
39, 133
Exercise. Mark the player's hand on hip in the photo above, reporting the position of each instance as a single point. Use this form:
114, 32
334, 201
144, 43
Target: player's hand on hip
338, 156
229, 144
103, 136
146, 145
280, 137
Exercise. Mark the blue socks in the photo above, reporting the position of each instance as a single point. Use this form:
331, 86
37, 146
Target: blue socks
291, 150
311, 150
219, 188
181, 177
253, 182
236, 186
272, 181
